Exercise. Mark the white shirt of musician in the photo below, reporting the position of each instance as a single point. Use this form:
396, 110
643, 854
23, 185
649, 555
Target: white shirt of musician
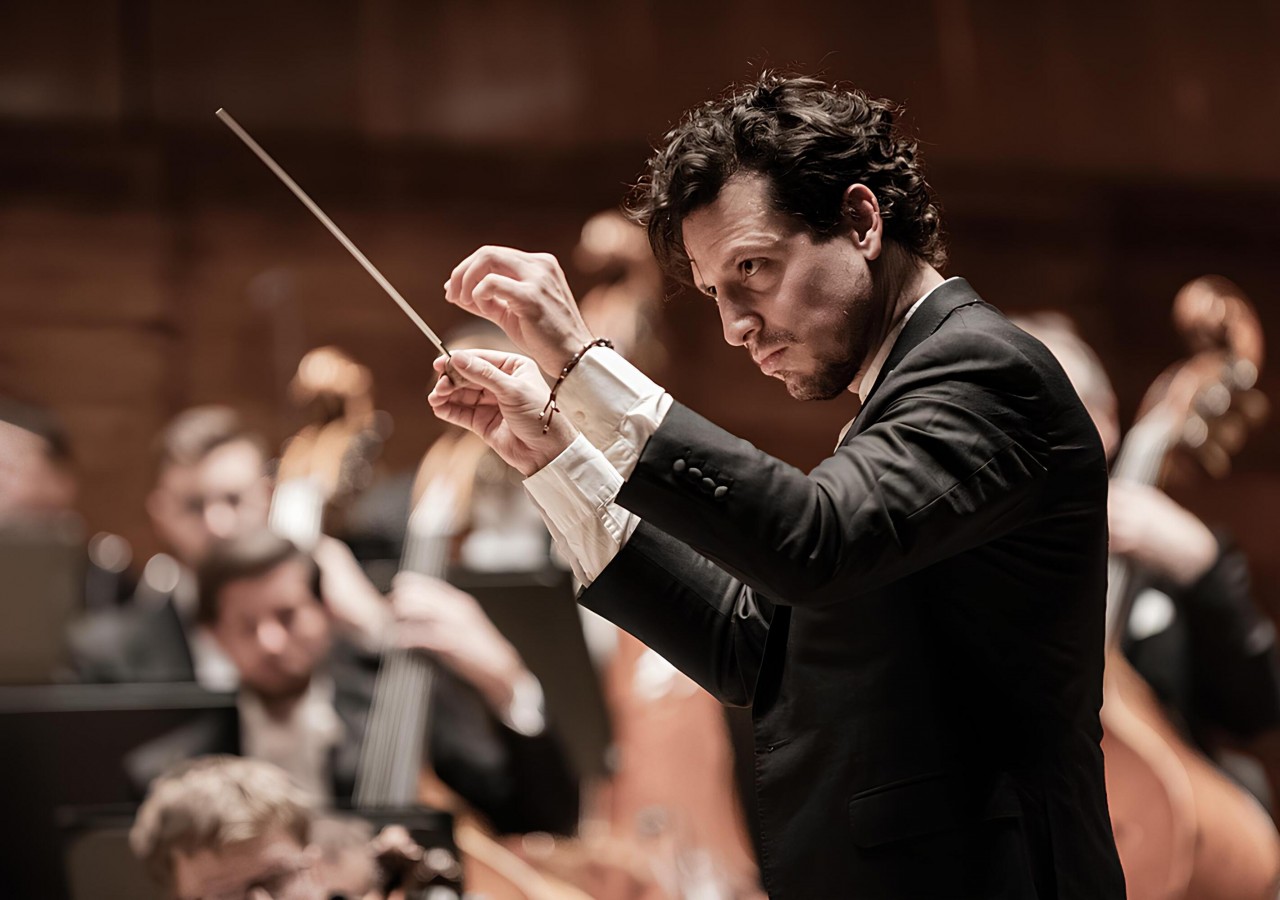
617, 408
302, 743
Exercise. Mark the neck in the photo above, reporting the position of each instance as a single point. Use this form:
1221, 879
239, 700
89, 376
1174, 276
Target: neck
902, 279
906, 279
281, 706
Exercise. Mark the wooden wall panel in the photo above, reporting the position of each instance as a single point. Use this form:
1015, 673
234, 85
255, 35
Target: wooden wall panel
1090, 156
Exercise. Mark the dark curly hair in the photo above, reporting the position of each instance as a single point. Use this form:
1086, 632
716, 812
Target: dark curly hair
811, 140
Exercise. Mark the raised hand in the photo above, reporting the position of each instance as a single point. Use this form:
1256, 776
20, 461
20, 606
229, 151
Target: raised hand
527, 296
1155, 532
502, 401
437, 618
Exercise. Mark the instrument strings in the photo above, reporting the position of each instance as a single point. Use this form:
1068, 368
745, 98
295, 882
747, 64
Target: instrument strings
1139, 461
393, 750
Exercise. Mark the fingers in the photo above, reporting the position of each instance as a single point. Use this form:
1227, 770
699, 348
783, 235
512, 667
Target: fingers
487, 374
493, 295
506, 361
481, 419
465, 394
507, 262
412, 592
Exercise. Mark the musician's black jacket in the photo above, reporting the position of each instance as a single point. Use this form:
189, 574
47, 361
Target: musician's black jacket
916, 624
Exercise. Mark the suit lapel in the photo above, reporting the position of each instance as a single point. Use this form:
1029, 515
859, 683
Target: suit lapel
945, 299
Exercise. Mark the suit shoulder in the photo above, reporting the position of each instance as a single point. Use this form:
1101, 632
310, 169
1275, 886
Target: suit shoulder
978, 343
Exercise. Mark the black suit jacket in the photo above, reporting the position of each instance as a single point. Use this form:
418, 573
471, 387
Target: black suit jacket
520, 784
132, 644
916, 624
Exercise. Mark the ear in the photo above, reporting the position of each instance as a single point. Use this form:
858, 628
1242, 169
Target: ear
862, 214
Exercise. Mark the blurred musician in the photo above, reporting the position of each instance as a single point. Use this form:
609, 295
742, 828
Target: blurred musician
36, 478
38, 493
1196, 635
227, 827
211, 484
305, 694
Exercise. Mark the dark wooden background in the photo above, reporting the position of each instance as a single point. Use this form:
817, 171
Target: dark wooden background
1089, 156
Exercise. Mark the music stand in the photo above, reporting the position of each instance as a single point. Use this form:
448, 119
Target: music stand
62, 748
537, 612
41, 585
99, 863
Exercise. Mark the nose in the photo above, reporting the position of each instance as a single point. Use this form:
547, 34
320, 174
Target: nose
272, 637
220, 519
738, 321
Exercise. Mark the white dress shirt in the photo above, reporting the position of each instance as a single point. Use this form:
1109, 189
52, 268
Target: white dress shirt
617, 408
301, 742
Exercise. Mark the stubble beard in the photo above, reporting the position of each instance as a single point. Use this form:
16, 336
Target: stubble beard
829, 382
832, 377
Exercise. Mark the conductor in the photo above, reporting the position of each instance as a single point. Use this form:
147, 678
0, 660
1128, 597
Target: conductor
917, 623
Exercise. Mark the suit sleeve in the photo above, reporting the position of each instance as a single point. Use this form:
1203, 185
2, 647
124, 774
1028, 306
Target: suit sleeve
703, 621
1233, 656
956, 457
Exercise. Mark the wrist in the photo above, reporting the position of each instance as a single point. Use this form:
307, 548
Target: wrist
559, 435
572, 354
571, 346
1199, 551
497, 685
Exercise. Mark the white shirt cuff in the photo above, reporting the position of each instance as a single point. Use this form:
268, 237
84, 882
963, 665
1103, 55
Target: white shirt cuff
527, 713
575, 493
615, 405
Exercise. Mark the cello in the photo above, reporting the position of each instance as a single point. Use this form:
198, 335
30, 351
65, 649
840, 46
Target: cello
1182, 828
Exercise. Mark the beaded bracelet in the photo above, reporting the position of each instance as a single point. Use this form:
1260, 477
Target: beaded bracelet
551, 408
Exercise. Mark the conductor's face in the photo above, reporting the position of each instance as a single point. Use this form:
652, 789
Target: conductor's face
803, 307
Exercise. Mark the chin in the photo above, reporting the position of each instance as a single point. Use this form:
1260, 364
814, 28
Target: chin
825, 385
282, 686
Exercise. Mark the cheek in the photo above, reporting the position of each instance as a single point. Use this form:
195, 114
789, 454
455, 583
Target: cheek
313, 633
241, 651
253, 508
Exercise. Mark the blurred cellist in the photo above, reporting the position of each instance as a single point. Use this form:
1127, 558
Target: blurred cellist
1196, 635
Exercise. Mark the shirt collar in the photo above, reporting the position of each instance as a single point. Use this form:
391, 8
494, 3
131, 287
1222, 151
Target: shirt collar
869, 377
314, 712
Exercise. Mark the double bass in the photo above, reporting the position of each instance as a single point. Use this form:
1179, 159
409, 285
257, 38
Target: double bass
394, 772
1182, 828
330, 457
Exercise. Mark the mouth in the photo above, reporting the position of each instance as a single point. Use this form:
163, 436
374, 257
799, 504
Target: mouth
770, 362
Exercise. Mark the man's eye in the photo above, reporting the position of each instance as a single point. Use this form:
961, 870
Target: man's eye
751, 266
